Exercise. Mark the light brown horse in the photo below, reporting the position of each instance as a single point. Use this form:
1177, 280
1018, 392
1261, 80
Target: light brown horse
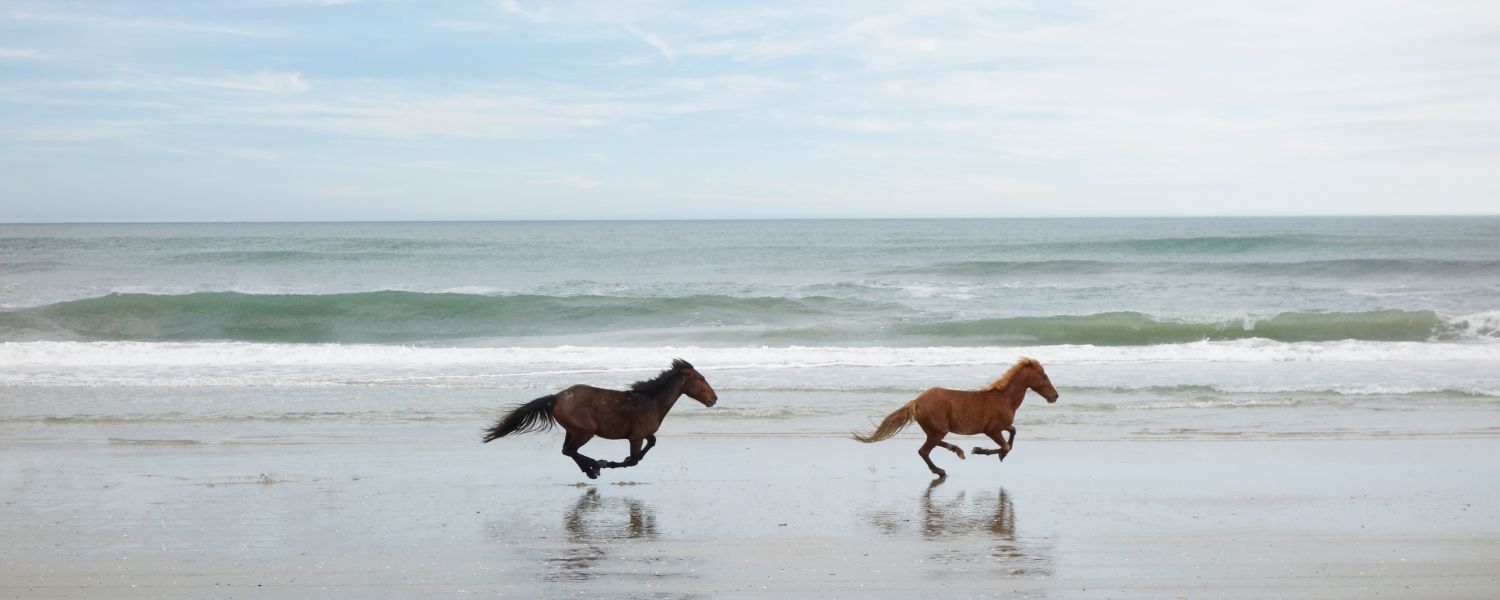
586, 411
990, 410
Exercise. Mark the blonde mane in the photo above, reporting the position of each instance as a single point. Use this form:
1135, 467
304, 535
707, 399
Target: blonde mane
1004, 380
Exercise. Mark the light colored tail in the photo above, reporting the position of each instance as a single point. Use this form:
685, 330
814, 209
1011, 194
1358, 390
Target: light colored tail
893, 423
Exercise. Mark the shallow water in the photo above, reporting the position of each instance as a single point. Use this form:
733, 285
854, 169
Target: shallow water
397, 510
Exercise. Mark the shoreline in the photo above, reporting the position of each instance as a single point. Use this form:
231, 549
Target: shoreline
436, 514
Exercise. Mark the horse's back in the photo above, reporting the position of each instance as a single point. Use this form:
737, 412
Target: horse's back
598, 410
582, 389
945, 395
933, 401
957, 411
588, 394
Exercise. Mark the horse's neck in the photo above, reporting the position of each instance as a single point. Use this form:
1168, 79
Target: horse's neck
667, 399
1012, 394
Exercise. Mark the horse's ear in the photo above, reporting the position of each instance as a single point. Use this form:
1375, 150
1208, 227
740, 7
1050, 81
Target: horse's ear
680, 364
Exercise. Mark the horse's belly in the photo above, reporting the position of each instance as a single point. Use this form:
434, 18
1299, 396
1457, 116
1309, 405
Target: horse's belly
966, 430
616, 432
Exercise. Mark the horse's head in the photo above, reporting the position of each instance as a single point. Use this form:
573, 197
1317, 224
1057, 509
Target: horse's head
1039, 382
693, 383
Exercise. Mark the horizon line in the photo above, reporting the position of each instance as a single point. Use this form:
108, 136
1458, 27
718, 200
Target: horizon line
747, 219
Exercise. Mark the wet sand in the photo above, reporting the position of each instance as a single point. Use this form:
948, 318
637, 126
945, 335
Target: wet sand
414, 510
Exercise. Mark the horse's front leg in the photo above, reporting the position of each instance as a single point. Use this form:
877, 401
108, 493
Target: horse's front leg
634, 459
1004, 448
636, 453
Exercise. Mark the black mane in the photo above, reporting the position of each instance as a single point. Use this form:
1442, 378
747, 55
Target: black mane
653, 388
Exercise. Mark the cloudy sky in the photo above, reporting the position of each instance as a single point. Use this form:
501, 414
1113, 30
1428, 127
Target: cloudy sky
526, 109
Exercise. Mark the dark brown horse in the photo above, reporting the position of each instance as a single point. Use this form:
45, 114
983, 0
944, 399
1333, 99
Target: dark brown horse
586, 411
990, 411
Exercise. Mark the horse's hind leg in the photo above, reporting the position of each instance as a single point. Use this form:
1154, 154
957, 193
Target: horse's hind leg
933, 441
571, 444
953, 449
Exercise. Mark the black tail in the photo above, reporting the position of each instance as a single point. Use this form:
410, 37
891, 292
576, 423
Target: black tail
531, 416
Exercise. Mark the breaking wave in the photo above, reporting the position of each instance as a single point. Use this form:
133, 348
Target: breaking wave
404, 317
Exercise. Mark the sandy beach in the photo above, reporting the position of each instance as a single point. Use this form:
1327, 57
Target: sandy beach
1251, 408
412, 510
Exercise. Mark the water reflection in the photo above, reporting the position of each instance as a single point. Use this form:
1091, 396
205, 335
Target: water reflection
969, 529
593, 518
595, 525
956, 517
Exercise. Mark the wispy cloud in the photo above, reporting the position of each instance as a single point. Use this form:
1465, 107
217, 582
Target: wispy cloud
269, 82
1154, 102
475, 117
310, 2
500, 112
250, 153
20, 54
354, 191
573, 181
103, 21
81, 132
468, 26
436, 165
514, 7
653, 41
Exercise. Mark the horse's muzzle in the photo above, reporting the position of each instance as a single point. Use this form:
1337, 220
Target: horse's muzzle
1052, 400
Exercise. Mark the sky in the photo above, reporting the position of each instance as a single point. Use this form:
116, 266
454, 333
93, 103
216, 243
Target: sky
531, 109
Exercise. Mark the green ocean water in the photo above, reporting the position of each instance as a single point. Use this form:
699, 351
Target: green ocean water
1198, 318
898, 283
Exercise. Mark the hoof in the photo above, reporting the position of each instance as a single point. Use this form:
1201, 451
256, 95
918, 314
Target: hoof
941, 474
977, 450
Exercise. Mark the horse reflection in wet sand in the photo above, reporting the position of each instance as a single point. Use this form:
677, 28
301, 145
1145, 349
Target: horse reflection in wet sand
640, 522
953, 518
990, 411
594, 524
960, 522
586, 411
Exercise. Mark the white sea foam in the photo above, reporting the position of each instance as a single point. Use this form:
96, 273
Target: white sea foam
1235, 367
1477, 325
207, 354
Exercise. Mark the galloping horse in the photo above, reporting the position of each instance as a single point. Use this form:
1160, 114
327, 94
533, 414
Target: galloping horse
586, 411
990, 410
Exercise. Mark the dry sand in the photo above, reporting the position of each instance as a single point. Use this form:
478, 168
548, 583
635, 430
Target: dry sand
417, 511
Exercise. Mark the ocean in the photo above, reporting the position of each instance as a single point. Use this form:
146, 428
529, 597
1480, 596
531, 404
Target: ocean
1194, 328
